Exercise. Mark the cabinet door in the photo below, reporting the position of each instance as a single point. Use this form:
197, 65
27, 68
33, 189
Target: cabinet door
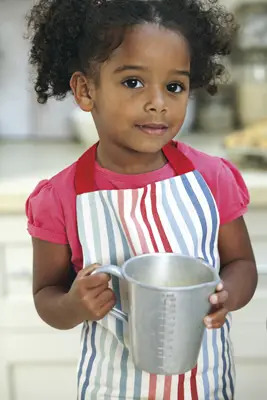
38, 366
249, 336
42, 382
36, 361
251, 379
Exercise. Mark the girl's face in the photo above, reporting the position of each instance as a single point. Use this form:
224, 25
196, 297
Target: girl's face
141, 98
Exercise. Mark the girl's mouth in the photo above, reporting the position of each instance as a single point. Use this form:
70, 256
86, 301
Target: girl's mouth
153, 129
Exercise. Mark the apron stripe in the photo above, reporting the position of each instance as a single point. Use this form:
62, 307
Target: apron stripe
230, 359
144, 215
184, 211
160, 387
128, 215
125, 246
180, 394
143, 224
205, 377
84, 350
151, 219
214, 215
137, 225
152, 387
185, 198
224, 388
206, 214
90, 364
120, 336
110, 231
174, 388
105, 364
137, 383
111, 368
216, 362
172, 221
82, 213
97, 230
193, 384
230, 378
200, 214
122, 217
167, 387
163, 236
97, 386
124, 373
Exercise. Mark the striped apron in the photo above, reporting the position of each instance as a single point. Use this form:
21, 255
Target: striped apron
174, 215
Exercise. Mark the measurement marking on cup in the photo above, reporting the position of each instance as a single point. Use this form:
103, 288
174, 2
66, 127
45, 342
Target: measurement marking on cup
166, 321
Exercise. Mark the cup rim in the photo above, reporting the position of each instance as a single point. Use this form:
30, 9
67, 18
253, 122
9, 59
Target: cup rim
211, 284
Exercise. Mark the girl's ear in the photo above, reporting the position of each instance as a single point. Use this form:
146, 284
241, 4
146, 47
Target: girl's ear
83, 91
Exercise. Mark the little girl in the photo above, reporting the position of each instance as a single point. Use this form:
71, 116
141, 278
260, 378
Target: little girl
132, 64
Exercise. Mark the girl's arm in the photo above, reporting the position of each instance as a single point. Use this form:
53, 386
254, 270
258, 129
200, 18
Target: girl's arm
238, 267
238, 272
89, 297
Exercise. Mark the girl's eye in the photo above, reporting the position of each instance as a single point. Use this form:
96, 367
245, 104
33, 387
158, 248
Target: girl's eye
133, 83
175, 87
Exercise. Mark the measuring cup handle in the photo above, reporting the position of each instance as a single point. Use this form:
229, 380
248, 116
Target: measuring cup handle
110, 270
115, 271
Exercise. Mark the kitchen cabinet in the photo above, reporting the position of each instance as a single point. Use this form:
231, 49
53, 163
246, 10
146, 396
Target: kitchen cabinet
249, 333
249, 336
36, 361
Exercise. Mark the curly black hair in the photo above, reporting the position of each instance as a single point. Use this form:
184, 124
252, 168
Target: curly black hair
71, 35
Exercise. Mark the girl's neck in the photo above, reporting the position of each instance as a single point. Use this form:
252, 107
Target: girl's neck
127, 161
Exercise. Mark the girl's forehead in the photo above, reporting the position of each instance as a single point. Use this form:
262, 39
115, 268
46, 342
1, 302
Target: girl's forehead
149, 43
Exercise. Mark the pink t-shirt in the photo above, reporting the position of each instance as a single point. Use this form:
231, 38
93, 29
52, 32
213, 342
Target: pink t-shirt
51, 208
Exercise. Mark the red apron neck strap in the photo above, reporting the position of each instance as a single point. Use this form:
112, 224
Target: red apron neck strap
179, 162
84, 176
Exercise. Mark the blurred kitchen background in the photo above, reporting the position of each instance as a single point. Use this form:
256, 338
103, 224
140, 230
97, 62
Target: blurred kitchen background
39, 363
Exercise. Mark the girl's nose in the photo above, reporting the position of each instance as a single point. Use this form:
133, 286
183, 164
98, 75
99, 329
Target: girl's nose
156, 101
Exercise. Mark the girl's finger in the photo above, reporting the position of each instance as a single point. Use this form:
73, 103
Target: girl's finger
219, 298
216, 319
93, 281
105, 297
219, 287
86, 271
97, 291
105, 309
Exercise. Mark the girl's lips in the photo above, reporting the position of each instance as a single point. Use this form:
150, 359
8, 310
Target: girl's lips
153, 129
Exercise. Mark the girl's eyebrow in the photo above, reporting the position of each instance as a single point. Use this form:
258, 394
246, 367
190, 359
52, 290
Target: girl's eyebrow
124, 68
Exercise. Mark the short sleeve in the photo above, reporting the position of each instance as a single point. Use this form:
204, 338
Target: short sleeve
45, 214
232, 195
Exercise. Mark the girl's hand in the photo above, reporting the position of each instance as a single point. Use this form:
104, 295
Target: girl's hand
216, 318
90, 295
